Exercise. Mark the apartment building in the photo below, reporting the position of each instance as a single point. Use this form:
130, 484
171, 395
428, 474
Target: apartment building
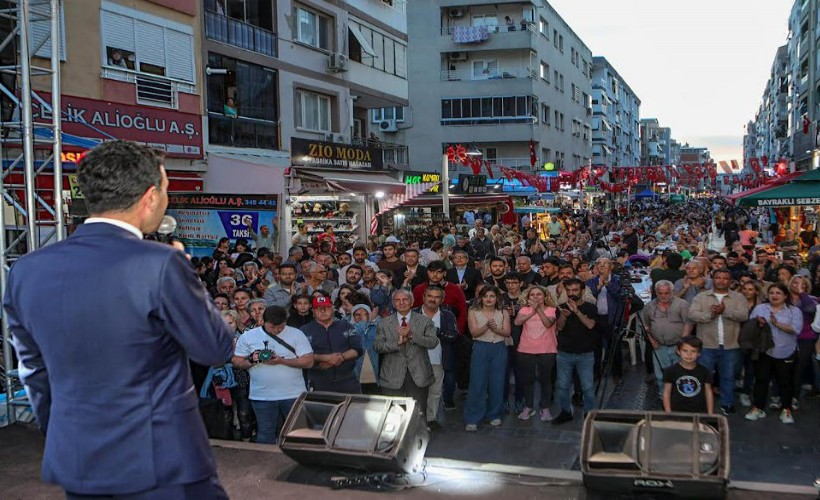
323, 71
615, 118
498, 75
690, 155
651, 151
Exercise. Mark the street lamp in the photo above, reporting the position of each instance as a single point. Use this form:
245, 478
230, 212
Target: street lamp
474, 151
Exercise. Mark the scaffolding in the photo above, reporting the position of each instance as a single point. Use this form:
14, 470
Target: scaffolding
27, 30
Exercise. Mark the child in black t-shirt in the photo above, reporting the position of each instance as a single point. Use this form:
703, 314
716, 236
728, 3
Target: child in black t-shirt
687, 386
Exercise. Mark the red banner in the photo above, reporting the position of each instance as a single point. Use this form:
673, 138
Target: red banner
178, 134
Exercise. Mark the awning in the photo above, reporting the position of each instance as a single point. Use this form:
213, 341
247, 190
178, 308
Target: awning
67, 139
185, 182
773, 183
458, 200
362, 41
356, 182
787, 195
810, 176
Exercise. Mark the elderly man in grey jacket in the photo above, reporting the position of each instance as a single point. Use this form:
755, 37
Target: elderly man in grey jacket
404, 339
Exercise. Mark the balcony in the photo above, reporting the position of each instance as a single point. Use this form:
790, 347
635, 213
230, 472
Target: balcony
229, 31
455, 38
519, 164
392, 153
242, 132
499, 74
152, 90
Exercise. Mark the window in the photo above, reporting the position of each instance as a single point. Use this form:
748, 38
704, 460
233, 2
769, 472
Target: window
381, 114
490, 154
313, 28
561, 43
545, 114
243, 108
145, 43
555, 79
254, 12
488, 20
374, 48
545, 72
488, 110
557, 120
546, 155
561, 86
483, 70
40, 29
544, 27
555, 38
312, 111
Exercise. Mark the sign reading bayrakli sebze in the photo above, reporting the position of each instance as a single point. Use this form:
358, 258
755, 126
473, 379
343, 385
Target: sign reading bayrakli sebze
321, 154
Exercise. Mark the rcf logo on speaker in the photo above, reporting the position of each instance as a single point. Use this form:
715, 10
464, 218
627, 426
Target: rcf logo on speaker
653, 483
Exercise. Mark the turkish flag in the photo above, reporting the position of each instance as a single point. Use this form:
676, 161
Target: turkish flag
806, 123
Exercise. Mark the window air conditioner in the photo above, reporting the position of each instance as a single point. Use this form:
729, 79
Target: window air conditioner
388, 126
337, 62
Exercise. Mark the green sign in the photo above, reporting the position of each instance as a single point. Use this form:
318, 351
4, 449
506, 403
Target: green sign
421, 178
677, 198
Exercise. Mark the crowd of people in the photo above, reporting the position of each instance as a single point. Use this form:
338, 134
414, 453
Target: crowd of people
492, 319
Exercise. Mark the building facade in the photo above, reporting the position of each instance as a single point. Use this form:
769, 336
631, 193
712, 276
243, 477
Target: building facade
319, 71
651, 152
690, 155
615, 118
500, 75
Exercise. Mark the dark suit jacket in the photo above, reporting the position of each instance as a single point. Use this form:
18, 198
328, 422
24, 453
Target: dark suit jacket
418, 279
398, 360
104, 324
472, 277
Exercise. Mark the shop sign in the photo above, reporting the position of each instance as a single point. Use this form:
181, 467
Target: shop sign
179, 135
202, 219
321, 154
788, 202
472, 184
412, 178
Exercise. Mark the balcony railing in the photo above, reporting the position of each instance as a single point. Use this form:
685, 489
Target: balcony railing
231, 31
391, 152
242, 132
500, 74
495, 30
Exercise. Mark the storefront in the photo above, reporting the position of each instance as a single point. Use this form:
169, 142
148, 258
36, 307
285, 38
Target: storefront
795, 204
336, 185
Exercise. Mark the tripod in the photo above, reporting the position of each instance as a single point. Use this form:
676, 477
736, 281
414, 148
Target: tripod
620, 330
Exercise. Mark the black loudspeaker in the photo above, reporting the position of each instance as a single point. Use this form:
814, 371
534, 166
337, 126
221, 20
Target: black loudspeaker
681, 455
367, 433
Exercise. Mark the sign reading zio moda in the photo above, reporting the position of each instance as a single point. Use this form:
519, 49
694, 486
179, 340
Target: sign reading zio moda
202, 219
332, 155
178, 134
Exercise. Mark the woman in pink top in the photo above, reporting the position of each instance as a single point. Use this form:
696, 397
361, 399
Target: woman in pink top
537, 349
745, 235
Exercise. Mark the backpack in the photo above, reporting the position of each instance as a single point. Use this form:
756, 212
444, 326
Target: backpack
754, 338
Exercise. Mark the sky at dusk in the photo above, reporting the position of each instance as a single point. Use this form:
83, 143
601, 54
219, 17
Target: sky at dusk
699, 66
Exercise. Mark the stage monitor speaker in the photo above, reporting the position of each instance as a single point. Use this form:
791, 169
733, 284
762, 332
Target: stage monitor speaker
664, 454
367, 433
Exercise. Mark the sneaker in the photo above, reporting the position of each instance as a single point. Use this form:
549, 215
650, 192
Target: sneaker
755, 414
526, 414
546, 416
471, 427
519, 406
727, 410
795, 404
561, 418
496, 422
786, 417
449, 406
745, 400
775, 403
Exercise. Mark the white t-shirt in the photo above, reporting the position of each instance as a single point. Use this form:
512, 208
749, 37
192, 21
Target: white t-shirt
435, 353
274, 382
720, 297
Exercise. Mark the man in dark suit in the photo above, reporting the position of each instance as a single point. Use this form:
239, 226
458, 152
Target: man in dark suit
403, 339
464, 274
411, 274
106, 365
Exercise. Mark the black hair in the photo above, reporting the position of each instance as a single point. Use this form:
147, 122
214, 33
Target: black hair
690, 340
674, 260
574, 281
116, 174
223, 295
354, 266
496, 258
436, 265
513, 276
275, 315
287, 266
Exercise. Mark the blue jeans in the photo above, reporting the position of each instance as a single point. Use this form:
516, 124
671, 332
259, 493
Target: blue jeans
726, 360
668, 356
270, 416
485, 395
584, 364
448, 362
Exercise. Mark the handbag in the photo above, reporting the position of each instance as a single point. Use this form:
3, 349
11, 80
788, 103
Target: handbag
217, 417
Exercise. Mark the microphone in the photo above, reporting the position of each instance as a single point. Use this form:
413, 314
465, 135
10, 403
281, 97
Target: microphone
167, 226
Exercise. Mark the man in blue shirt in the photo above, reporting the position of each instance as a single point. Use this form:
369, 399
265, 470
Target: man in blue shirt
336, 347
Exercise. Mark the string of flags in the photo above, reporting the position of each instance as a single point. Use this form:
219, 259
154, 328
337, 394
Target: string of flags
621, 179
